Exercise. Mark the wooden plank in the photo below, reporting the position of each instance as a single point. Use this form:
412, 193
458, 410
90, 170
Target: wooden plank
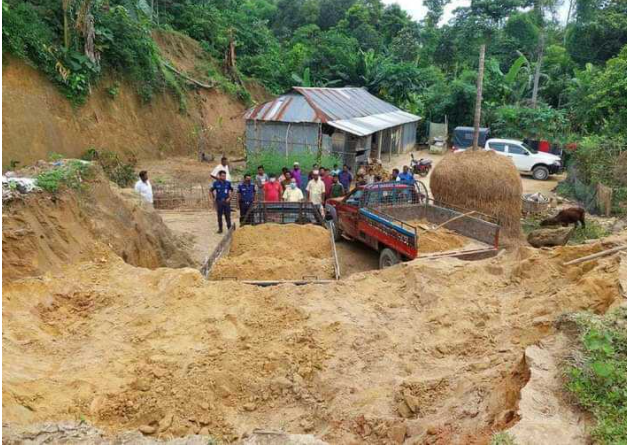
283, 282
607, 252
221, 249
336, 263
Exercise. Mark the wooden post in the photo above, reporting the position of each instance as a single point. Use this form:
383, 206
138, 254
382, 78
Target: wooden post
475, 140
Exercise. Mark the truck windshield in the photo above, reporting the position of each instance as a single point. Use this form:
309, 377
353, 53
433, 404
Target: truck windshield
529, 148
354, 197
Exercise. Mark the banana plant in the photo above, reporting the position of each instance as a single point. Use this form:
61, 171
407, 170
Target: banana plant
305, 80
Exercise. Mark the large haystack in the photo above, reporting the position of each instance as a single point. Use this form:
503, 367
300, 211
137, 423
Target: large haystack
481, 181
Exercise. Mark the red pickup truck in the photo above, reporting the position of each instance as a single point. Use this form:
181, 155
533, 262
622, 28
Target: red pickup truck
377, 215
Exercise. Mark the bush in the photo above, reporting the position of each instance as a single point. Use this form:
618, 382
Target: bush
592, 231
71, 174
128, 48
121, 173
600, 159
123, 40
273, 161
599, 380
27, 35
503, 438
512, 121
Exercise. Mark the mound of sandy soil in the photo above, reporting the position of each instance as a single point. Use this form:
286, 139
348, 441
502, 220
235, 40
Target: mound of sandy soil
424, 352
43, 232
277, 252
437, 240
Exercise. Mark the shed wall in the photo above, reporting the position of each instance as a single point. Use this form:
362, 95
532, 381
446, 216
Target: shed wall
352, 150
408, 141
284, 137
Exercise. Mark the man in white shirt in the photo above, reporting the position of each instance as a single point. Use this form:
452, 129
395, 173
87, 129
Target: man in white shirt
315, 189
144, 188
224, 165
292, 193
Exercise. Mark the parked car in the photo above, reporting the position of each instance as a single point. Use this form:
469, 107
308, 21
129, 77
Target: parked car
528, 161
463, 137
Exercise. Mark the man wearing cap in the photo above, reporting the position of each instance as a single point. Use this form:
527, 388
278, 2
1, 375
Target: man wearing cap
327, 179
221, 192
246, 192
315, 189
296, 174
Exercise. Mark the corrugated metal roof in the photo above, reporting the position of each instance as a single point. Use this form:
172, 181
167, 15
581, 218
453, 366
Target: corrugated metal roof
291, 107
371, 124
351, 109
344, 103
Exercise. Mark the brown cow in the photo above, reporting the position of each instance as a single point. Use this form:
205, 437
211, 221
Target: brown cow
566, 217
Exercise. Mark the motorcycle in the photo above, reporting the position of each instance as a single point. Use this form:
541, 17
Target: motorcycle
421, 166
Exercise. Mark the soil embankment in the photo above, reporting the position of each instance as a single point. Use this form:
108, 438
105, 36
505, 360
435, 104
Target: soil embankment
43, 233
37, 119
425, 352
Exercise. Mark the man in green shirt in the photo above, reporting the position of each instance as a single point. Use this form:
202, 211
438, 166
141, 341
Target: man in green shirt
337, 190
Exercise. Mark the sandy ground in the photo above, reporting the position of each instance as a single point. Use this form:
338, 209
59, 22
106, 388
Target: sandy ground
424, 352
428, 351
529, 184
547, 412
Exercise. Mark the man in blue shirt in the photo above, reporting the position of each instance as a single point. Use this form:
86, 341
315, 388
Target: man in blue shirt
221, 192
345, 178
406, 176
246, 192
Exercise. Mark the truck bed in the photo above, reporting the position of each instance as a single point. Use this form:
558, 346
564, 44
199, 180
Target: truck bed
279, 213
399, 233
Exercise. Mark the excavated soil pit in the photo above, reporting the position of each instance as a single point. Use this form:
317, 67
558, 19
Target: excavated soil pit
277, 252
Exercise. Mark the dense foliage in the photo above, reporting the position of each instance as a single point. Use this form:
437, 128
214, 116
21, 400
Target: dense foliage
426, 67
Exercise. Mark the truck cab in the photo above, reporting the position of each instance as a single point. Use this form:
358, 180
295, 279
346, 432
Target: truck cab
345, 210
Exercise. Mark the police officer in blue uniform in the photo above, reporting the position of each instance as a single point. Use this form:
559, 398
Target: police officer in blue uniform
246, 191
221, 192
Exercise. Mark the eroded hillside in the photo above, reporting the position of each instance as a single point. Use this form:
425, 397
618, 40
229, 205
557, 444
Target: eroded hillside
37, 119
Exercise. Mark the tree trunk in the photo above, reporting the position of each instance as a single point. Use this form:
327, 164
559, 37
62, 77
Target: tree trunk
66, 26
536, 77
570, 9
475, 141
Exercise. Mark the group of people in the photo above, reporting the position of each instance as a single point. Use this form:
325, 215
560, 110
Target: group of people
290, 186
321, 184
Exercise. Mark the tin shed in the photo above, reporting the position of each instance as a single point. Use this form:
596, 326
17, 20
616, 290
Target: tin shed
349, 122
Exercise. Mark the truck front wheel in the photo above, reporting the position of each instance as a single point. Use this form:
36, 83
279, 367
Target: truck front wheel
388, 258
